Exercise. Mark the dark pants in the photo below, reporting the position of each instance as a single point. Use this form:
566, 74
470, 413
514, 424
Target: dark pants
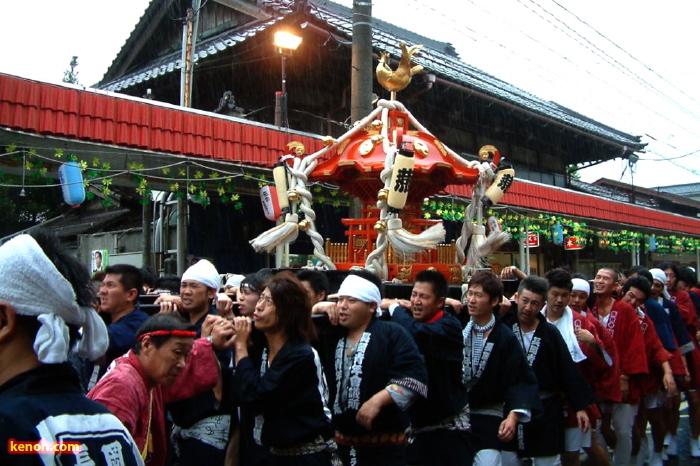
484, 433
323, 458
390, 455
441, 448
194, 453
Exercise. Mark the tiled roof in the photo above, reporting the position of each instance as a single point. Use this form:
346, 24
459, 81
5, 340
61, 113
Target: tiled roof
609, 193
545, 198
172, 61
690, 189
386, 37
651, 194
457, 71
80, 223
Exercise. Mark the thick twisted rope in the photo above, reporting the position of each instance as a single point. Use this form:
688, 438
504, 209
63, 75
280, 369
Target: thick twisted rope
301, 168
376, 260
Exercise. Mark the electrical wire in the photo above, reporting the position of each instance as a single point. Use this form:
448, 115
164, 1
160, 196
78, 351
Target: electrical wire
549, 49
549, 74
620, 67
610, 59
665, 159
627, 53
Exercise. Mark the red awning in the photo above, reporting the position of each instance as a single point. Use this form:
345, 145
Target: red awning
98, 117
560, 201
94, 116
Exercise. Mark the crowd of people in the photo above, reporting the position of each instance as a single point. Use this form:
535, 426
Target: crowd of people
279, 369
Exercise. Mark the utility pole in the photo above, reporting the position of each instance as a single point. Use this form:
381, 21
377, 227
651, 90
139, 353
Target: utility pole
189, 41
361, 75
361, 72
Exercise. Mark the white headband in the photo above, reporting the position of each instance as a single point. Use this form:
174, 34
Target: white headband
579, 284
234, 280
357, 287
203, 272
23, 265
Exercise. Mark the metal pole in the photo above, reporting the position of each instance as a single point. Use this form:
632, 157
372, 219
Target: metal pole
181, 236
521, 250
189, 42
285, 121
527, 249
147, 236
279, 249
361, 74
278, 108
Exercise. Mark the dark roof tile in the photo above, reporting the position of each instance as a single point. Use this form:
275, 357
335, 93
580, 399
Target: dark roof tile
386, 37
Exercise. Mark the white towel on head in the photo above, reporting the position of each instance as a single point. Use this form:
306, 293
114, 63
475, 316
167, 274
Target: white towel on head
357, 287
565, 325
205, 273
660, 275
23, 265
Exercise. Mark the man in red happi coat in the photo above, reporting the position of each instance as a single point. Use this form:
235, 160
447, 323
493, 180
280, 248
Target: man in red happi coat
165, 365
620, 319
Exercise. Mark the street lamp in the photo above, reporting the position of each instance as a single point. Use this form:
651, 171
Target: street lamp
286, 43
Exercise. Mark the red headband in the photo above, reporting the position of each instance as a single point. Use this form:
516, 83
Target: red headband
168, 333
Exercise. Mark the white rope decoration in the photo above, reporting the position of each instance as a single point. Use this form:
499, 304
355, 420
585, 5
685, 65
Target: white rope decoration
376, 260
287, 232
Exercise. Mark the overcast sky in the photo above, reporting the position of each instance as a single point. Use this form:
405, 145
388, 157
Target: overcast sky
629, 64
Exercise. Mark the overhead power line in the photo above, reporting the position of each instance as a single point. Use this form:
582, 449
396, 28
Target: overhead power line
612, 110
627, 53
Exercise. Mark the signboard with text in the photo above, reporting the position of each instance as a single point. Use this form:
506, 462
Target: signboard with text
573, 243
533, 240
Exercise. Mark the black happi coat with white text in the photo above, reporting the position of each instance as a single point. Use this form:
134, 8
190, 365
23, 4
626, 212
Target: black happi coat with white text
46, 403
442, 345
385, 354
551, 361
502, 375
287, 397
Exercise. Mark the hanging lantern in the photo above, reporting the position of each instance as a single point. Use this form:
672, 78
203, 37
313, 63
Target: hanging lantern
493, 224
279, 174
400, 180
270, 202
652, 243
498, 188
558, 234
71, 179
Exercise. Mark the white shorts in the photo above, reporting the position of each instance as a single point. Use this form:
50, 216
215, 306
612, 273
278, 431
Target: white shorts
654, 400
487, 458
574, 439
